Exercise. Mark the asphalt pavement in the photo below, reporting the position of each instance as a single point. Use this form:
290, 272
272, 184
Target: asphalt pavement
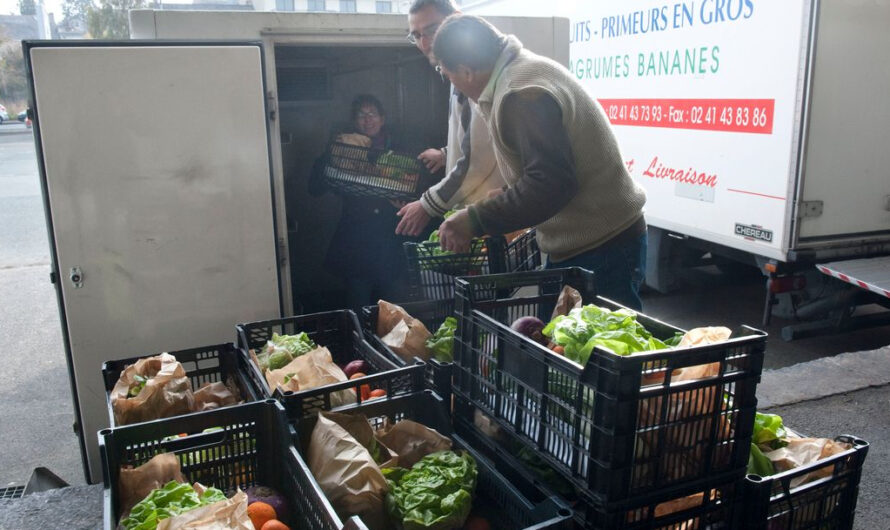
36, 412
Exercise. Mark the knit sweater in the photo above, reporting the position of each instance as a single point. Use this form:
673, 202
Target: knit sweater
607, 200
471, 170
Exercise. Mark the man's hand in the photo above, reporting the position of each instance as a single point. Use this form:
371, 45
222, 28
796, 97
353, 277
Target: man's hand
414, 219
456, 232
494, 193
433, 159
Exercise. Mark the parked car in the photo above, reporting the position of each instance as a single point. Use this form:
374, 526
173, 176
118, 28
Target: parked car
23, 115
3, 115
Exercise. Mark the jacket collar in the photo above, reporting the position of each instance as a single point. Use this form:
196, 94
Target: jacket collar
510, 50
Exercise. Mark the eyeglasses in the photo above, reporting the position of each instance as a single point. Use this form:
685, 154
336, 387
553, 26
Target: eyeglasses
427, 33
370, 115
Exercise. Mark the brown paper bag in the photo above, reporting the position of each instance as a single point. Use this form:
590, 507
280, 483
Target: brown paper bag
351, 159
804, 451
569, 298
681, 448
312, 370
345, 469
404, 334
135, 484
412, 441
230, 514
168, 391
217, 395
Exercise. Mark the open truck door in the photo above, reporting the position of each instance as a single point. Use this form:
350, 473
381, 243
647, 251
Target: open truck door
155, 170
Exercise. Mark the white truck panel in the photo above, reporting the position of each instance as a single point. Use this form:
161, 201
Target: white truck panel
158, 182
762, 48
848, 162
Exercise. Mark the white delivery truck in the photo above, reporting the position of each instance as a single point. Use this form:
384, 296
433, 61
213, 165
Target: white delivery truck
174, 168
758, 129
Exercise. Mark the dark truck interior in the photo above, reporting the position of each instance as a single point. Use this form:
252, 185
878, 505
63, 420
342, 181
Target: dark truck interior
315, 88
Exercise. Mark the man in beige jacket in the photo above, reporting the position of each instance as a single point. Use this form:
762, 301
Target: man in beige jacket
558, 156
471, 170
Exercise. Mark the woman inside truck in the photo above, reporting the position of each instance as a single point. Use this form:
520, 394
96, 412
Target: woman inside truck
364, 252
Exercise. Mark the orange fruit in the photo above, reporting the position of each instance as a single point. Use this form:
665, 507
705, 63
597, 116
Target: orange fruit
377, 393
357, 375
260, 513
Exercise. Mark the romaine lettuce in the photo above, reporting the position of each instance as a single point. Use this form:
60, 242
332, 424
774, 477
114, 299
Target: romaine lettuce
171, 500
441, 343
589, 326
435, 494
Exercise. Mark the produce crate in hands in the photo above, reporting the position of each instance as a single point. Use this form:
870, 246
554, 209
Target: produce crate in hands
431, 271
246, 445
210, 364
340, 332
432, 313
827, 503
505, 504
619, 428
368, 172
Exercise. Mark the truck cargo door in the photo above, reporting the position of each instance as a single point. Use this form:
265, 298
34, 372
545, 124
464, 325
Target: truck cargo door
155, 168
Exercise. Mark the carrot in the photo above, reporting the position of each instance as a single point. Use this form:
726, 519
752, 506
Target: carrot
559, 349
357, 375
379, 392
365, 392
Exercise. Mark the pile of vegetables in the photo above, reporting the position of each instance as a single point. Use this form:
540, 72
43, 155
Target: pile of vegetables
171, 500
440, 344
282, 349
266, 508
769, 434
435, 494
394, 166
577, 333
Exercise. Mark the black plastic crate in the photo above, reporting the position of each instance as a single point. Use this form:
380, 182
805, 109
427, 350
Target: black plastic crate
209, 364
338, 331
718, 508
254, 447
828, 503
431, 271
369, 172
432, 313
617, 427
504, 500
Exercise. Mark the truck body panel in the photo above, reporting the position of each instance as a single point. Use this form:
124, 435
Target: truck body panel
777, 104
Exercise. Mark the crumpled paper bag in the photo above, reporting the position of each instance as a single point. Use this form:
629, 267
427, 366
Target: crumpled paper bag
311, 370
803, 451
404, 334
412, 441
134, 484
682, 450
168, 391
569, 298
348, 158
217, 395
230, 514
345, 469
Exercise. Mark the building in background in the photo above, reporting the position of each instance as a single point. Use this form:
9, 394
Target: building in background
36, 26
334, 6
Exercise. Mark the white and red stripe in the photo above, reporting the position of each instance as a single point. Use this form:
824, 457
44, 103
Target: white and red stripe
872, 274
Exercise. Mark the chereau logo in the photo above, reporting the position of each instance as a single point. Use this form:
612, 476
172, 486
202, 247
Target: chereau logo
754, 232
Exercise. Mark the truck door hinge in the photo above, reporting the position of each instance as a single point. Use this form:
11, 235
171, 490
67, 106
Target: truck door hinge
809, 209
271, 103
282, 251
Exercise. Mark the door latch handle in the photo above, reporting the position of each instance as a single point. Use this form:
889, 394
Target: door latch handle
76, 277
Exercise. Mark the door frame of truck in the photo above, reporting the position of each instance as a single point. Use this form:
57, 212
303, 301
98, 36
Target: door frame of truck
55, 272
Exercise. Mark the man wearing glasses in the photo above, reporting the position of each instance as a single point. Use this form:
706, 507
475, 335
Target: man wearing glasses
467, 179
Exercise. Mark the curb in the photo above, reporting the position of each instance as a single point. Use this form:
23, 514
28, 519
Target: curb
824, 377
